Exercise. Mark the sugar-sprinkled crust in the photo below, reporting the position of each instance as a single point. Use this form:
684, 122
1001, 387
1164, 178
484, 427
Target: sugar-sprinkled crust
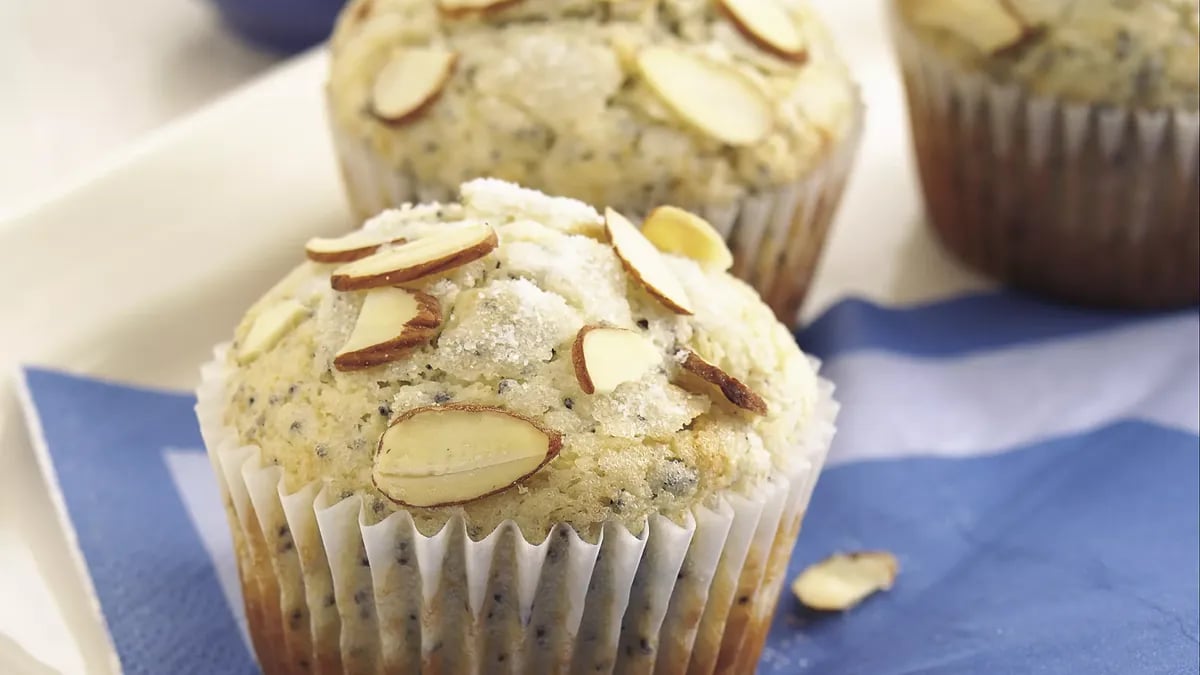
510, 319
548, 93
1143, 54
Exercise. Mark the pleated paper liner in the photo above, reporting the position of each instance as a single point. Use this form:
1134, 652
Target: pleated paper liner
776, 235
329, 590
1092, 204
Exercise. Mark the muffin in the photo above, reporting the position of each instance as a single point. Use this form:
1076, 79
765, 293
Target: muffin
1057, 141
737, 110
509, 435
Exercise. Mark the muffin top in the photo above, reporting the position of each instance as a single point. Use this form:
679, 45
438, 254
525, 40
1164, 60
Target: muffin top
517, 356
629, 103
1136, 53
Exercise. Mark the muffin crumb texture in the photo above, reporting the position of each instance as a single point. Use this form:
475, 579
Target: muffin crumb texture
489, 339
1137, 53
593, 99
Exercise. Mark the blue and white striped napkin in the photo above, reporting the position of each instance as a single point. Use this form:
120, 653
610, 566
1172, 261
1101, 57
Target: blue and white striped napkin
1036, 470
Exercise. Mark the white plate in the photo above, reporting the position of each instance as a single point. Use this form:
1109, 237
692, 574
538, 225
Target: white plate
135, 273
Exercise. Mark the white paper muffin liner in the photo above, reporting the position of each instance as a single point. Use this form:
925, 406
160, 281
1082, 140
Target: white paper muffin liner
327, 590
776, 234
1088, 203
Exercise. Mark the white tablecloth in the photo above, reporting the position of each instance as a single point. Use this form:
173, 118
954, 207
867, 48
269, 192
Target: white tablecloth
82, 78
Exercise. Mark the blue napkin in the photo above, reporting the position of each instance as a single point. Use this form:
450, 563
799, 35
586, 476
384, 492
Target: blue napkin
1036, 470
282, 26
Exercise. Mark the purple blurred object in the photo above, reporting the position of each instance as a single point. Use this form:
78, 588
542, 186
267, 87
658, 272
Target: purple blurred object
281, 25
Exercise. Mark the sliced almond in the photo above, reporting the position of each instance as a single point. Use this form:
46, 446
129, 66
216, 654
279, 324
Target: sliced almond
435, 254
988, 25
631, 10
349, 247
361, 12
451, 454
843, 580
456, 9
673, 230
769, 25
716, 99
705, 378
410, 82
607, 357
1032, 13
391, 323
645, 263
268, 327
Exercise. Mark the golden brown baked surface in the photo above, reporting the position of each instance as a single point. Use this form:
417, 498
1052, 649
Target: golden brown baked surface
503, 330
1141, 54
609, 101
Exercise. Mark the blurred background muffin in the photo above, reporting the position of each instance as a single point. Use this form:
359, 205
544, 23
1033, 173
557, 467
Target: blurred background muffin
738, 110
1057, 141
465, 438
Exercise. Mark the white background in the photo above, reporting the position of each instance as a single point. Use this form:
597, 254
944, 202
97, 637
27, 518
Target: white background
81, 78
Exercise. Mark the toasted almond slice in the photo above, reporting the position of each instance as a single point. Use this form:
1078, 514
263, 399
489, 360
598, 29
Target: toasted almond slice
633, 10
711, 380
451, 454
457, 9
714, 98
348, 247
843, 580
645, 263
1038, 13
269, 326
392, 322
362, 11
422, 257
768, 24
673, 230
606, 357
988, 25
410, 82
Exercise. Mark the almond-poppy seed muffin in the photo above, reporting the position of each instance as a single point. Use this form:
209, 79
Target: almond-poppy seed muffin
1057, 141
510, 434
738, 110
